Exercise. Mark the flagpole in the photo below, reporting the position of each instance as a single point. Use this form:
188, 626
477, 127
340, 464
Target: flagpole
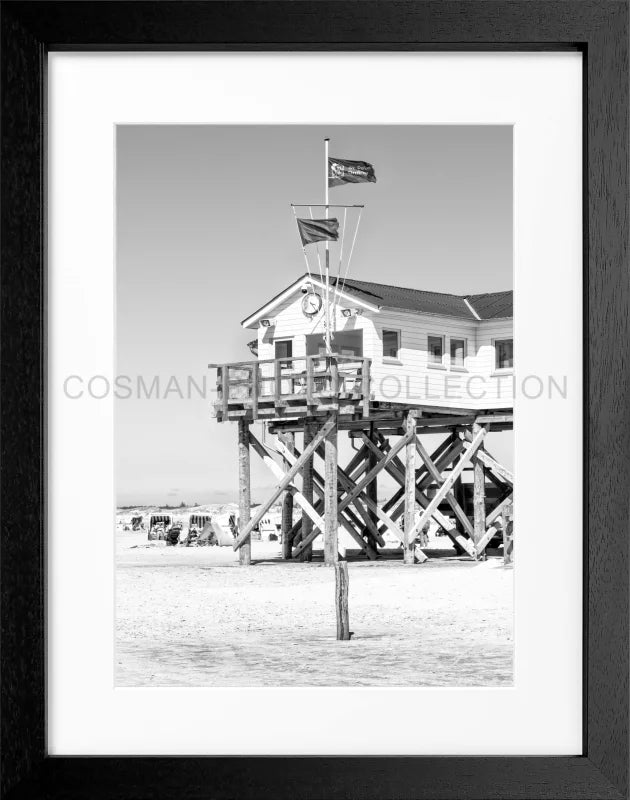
327, 318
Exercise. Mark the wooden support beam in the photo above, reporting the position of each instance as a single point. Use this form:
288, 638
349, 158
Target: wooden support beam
287, 440
284, 483
244, 492
225, 390
460, 542
255, 390
508, 537
491, 419
397, 471
347, 484
342, 586
440, 457
504, 509
479, 490
497, 469
307, 479
372, 488
277, 392
502, 473
365, 387
331, 511
309, 381
497, 511
481, 545
446, 487
358, 489
410, 489
450, 496
346, 518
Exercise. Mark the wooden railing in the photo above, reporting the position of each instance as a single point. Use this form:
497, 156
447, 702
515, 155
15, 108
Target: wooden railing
281, 381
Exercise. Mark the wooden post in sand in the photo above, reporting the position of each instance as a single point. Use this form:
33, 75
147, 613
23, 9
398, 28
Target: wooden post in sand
508, 535
288, 441
244, 499
410, 489
331, 531
479, 494
371, 490
341, 600
307, 490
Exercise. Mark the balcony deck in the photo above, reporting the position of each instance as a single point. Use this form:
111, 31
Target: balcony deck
309, 386
292, 387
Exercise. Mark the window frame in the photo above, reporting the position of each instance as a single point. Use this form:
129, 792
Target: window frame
279, 340
463, 367
436, 364
496, 342
396, 358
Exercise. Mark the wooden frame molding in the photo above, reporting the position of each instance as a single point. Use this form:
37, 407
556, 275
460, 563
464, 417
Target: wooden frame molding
599, 30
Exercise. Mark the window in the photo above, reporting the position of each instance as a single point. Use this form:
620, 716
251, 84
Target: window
284, 349
458, 352
436, 349
391, 344
345, 343
504, 353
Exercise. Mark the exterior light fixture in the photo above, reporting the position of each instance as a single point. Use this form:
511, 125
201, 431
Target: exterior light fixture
351, 312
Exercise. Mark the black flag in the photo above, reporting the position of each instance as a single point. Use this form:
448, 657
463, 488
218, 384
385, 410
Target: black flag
318, 230
341, 171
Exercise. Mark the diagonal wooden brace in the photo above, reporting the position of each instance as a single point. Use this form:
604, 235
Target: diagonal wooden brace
384, 460
286, 479
319, 487
438, 456
434, 475
501, 472
297, 495
445, 488
397, 471
450, 496
348, 484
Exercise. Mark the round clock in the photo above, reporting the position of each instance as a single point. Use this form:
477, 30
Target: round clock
311, 304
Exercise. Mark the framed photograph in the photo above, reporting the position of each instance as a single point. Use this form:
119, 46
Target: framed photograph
315, 418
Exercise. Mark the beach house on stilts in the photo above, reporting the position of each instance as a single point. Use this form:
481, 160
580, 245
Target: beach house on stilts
387, 366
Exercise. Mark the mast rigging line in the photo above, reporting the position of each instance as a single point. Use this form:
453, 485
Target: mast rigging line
319, 260
354, 238
308, 269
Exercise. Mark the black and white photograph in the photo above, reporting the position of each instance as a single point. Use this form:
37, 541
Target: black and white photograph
314, 406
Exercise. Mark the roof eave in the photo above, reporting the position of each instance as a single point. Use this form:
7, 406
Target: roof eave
250, 321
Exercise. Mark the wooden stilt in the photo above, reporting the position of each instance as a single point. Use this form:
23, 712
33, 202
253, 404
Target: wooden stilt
287, 440
372, 487
410, 490
347, 484
508, 535
479, 493
244, 497
307, 490
331, 544
341, 600
284, 482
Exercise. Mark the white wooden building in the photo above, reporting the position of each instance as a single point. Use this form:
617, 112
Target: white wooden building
406, 364
425, 348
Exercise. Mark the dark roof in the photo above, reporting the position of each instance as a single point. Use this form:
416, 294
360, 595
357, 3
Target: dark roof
487, 306
492, 305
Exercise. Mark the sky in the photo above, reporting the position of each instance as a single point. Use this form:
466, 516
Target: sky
205, 235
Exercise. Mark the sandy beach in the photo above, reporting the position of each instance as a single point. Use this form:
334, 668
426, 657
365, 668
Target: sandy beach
195, 617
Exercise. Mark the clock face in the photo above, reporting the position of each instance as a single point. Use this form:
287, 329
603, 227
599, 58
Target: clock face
311, 304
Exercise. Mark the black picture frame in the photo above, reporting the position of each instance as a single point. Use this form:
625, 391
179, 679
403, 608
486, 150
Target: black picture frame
599, 30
